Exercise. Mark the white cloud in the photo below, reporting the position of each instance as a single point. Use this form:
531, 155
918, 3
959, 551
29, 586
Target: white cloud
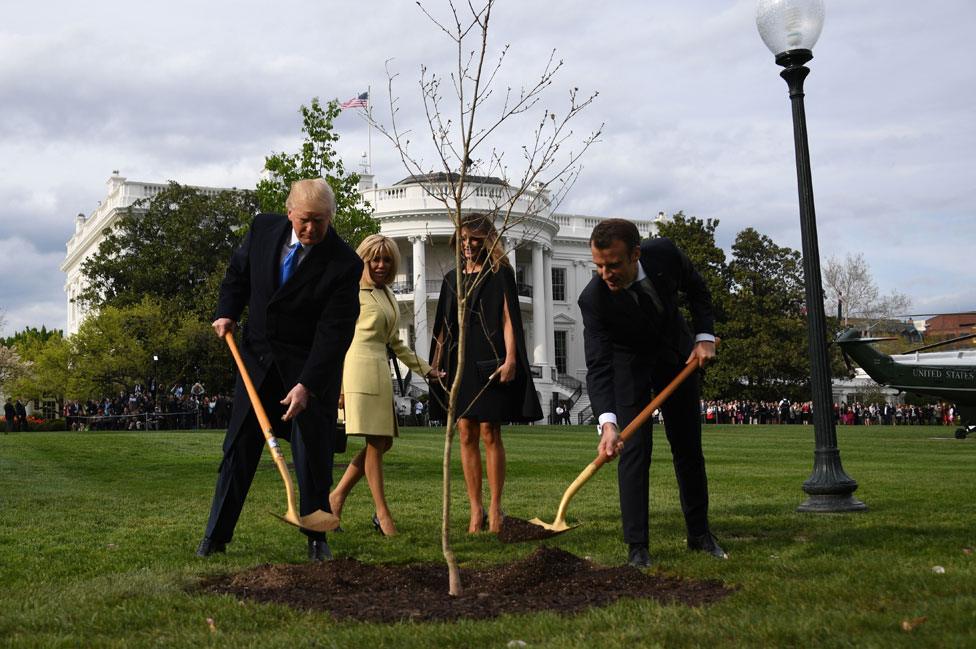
696, 118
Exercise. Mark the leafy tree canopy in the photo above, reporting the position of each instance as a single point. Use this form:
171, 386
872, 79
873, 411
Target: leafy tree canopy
168, 246
12, 367
317, 158
28, 335
764, 355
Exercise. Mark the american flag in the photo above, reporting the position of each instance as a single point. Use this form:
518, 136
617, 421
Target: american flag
356, 102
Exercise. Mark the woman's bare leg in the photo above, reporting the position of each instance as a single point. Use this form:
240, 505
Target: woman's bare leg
376, 446
354, 473
470, 437
491, 435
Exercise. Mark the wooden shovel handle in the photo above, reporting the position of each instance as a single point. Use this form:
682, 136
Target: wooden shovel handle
249, 384
655, 403
264, 423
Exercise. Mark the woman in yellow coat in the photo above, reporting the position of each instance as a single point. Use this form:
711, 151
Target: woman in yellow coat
367, 390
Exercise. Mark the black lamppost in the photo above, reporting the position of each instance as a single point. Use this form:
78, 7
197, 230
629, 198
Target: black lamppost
790, 28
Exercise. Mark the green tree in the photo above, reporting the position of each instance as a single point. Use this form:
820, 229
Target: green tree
49, 368
29, 334
12, 367
168, 246
764, 352
113, 350
318, 159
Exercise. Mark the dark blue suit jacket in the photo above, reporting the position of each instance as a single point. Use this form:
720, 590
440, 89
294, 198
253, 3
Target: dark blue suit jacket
301, 329
624, 344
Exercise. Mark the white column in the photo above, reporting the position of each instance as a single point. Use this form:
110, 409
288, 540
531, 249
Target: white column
422, 345
539, 356
550, 325
511, 244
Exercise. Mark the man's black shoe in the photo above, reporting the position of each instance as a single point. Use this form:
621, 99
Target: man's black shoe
318, 551
707, 543
208, 546
638, 556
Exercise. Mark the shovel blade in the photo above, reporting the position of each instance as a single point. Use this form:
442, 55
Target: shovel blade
317, 521
557, 526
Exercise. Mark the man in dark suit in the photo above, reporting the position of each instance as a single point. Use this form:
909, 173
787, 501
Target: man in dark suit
301, 284
21, 416
9, 415
636, 341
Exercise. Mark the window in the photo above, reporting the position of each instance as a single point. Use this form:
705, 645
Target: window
559, 284
560, 351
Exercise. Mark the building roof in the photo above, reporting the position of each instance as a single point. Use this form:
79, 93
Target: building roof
441, 177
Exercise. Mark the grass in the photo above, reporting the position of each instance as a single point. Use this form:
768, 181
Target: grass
97, 532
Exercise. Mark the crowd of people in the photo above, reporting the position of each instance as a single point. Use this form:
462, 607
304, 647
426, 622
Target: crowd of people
801, 412
149, 409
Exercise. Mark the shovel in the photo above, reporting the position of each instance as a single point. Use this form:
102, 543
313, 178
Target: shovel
559, 525
317, 521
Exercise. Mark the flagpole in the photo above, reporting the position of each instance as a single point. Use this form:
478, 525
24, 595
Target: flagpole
369, 127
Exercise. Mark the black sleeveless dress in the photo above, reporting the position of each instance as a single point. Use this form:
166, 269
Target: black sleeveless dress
479, 398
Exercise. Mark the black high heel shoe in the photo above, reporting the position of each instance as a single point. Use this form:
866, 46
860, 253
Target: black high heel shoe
376, 525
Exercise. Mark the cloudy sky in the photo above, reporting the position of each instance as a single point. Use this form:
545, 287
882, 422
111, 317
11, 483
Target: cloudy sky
696, 118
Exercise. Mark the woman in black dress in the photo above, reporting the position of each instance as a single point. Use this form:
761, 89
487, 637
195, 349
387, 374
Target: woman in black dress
496, 385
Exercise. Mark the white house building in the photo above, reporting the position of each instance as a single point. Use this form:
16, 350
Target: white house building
549, 252
122, 193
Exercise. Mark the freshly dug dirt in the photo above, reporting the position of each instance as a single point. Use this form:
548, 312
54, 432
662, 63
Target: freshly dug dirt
519, 530
547, 580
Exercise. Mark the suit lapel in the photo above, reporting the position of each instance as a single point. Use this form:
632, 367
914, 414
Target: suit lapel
273, 258
310, 268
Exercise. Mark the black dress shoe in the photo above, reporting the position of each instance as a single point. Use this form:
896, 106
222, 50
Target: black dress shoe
318, 551
707, 543
208, 546
638, 556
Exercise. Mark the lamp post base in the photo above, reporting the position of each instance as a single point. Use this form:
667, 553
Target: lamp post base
826, 503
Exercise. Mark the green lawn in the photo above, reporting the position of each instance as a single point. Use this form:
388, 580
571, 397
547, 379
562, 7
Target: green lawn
97, 533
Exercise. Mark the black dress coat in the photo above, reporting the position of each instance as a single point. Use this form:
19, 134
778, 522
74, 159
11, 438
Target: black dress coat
294, 333
512, 402
632, 349
301, 329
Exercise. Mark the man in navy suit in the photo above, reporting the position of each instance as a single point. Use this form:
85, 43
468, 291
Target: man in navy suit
301, 284
636, 341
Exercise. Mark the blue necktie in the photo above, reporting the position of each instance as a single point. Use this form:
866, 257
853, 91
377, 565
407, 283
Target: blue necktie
290, 263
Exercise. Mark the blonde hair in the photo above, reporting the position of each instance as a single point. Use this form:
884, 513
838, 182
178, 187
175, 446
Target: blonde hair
313, 194
481, 225
372, 247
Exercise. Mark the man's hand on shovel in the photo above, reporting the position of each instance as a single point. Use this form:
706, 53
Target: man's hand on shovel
610, 442
703, 353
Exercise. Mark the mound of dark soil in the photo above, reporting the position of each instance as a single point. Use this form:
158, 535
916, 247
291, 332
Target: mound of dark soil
547, 580
519, 530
